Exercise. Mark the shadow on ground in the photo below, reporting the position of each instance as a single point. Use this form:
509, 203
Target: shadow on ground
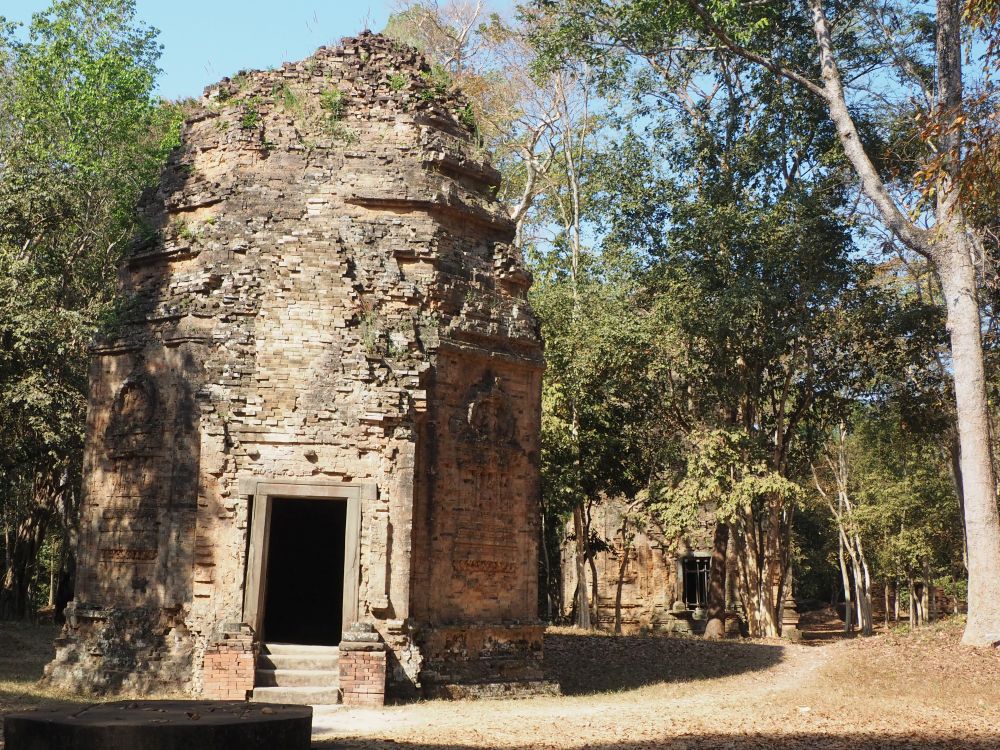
25, 648
587, 663
821, 626
805, 741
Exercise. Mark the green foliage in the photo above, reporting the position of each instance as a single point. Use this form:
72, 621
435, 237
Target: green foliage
397, 81
341, 133
730, 208
438, 80
468, 118
594, 395
335, 107
80, 137
250, 117
332, 102
907, 511
726, 471
289, 101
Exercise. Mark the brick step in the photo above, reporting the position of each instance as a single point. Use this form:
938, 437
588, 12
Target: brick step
300, 696
298, 661
297, 678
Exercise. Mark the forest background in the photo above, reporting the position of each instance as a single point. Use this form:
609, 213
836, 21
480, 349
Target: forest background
763, 237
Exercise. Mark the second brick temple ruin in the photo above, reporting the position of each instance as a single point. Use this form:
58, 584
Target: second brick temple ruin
318, 423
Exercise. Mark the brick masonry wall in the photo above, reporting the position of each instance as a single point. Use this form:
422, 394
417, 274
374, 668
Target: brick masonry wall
326, 290
228, 671
649, 583
362, 677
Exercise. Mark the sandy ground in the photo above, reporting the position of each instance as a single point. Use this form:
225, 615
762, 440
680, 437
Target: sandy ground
890, 691
893, 691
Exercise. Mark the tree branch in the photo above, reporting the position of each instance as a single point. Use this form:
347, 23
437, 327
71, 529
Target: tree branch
871, 183
747, 54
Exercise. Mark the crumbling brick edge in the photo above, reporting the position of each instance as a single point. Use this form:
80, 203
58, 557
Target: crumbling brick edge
362, 666
230, 663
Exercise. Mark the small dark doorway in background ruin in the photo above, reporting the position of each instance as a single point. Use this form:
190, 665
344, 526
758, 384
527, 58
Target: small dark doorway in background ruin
305, 572
695, 571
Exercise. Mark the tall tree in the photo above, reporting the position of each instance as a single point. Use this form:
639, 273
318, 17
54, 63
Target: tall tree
80, 136
758, 305
861, 59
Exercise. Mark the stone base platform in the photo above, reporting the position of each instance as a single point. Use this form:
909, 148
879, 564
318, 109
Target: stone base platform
484, 661
487, 690
162, 725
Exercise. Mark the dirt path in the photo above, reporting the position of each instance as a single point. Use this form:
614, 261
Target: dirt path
896, 691
883, 692
648, 713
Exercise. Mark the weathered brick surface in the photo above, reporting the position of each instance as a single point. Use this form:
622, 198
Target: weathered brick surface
362, 677
649, 578
327, 291
228, 667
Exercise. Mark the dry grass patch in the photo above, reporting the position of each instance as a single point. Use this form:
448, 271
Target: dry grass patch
25, 649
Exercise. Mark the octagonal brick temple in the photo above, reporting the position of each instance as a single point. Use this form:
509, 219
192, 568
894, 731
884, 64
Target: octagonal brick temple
322, 404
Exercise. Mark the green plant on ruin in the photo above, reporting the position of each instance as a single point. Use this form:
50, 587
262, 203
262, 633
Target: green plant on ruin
468, 119
145, 233
251, 114
406, 330
332, 102
289, 101
184, 231
397, 81
438, 82
340, 132
235, 86
393, 350
371, 331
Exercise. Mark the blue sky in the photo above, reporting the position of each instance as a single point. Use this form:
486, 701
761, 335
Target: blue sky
208, 39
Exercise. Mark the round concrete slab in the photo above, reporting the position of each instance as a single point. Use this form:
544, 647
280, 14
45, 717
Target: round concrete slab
162, 725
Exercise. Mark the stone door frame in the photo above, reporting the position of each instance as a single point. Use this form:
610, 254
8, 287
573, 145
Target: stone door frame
262, 493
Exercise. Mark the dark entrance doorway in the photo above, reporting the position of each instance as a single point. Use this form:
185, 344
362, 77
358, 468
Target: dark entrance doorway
304, 595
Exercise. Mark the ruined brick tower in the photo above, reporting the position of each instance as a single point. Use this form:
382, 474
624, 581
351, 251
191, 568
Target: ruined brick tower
322, 407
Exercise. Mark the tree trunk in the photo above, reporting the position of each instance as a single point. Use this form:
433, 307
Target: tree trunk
582, 605
716, 626
758, 588
868, 624
55, 563
862, 598
931, 596
16, 585
982, 522
885, 597
846, 581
